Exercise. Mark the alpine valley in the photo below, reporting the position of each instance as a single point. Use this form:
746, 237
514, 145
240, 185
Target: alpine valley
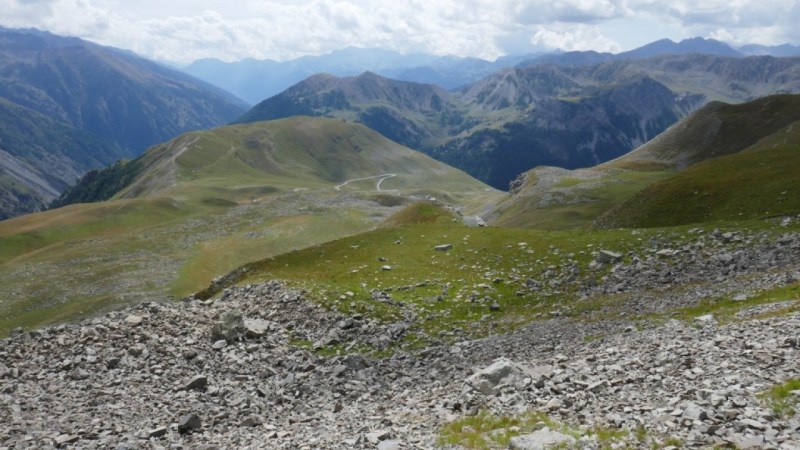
341, 266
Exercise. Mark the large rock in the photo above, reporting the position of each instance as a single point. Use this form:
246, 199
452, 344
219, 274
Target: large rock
256, 328
500, 373
540, 440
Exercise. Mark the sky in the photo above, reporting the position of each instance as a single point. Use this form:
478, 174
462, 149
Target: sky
181, 31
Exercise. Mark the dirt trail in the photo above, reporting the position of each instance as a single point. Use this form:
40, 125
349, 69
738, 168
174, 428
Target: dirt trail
378, 183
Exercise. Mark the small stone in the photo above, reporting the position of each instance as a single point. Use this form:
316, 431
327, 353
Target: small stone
754, 424
220, 344
378, 436
694, 412
157, 432
189, 423
250, 421
64, 439
346, 324
747, 442
608, 257
389, 445
386, 268
443, 247
705, 319
256, 328
113, 363
501, 372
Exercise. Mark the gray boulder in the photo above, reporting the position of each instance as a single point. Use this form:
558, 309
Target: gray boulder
501, 372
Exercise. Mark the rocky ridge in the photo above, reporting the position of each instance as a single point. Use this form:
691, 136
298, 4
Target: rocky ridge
248, 370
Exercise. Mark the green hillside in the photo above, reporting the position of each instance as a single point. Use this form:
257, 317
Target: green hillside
717, 129
647, 180
207, 202
761, 181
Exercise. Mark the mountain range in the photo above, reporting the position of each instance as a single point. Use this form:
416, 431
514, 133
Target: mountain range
257, 80
69, 105
569, 116
571, 110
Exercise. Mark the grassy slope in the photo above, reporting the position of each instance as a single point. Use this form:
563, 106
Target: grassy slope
756, 183
641, 180
235, 195
450, 293
715, 130
572, 203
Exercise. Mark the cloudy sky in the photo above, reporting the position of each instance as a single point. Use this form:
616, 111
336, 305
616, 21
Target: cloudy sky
184, 30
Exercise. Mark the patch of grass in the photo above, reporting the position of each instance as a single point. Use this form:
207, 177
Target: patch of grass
579, 205
487, 431
569, 182
72, 309
420, 213
781, 398
476, 288
724, 309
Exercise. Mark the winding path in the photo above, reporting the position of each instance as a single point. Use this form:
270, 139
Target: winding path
378, 183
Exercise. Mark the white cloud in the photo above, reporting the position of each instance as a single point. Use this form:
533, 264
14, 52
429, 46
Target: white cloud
182, 31
573, 37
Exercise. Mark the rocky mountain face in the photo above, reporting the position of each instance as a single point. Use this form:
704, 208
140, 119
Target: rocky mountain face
567, 134
520, 118
72, 106
411, 114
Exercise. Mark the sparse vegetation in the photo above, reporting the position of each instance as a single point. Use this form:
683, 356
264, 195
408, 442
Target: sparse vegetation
784, 398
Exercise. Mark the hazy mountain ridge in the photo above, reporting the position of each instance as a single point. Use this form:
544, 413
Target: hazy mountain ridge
114, 94
69, 106
257, 80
